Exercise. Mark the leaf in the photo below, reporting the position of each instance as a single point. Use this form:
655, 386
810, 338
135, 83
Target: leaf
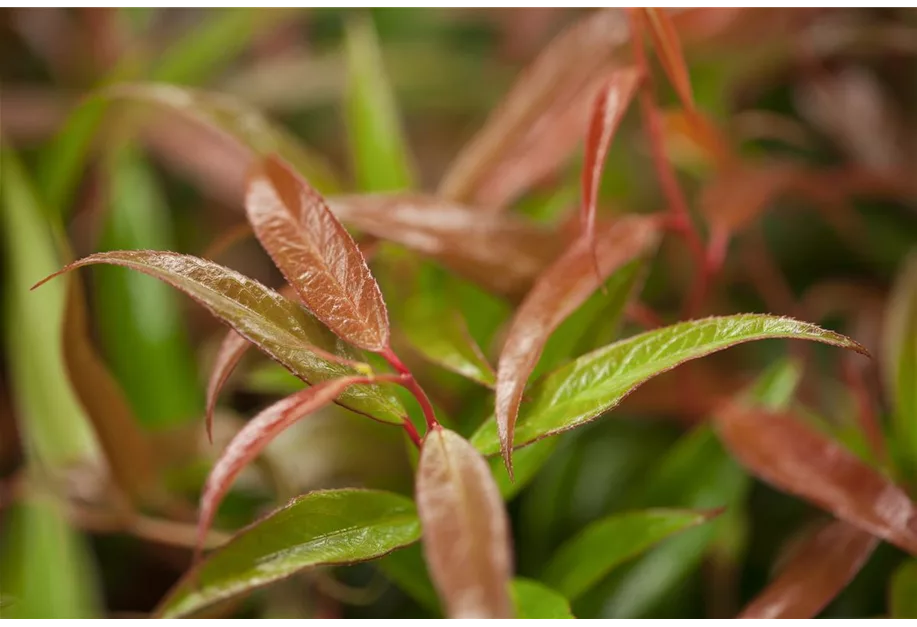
278, 327
501, 253
566, 67
257, 433
230, 353
818, 571
608, 110
466, 537
379, 152
533, 599
668, 49
316, 255
319, 528
47, 568
899, 363
55, 431
526, 464
141, 328
795, 459
903, 603
559, 291
584, 560
591, 385
407, 569
235, 120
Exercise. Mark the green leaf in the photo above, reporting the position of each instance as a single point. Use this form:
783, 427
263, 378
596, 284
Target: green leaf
585, 559
320, 528
232, 117
140, 322
903, 601
586, 388
56, 432
899, 362
378, 148
46, 570
408, 570
282, 329
536, 600
526, 463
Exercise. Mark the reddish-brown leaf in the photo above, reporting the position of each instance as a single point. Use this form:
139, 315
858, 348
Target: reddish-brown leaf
466, 537
817, 572
229, 355
257, 434
559, 291
668, 49
611, 102
792, 457
738, 195
316, 255
501, 253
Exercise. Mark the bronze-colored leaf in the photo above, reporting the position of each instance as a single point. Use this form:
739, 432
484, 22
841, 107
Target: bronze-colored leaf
819, 569
501, 253
466, 537
785, 453
230, 353
559, 291
668, 49
316, 255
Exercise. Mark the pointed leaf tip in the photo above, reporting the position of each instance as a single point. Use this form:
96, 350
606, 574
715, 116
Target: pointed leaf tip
316, 254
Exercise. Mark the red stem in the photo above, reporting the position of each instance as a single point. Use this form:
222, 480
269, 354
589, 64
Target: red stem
409, 383
411, 431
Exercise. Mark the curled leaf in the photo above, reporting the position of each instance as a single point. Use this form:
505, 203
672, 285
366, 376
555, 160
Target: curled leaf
668, 49
792, 457
559, 291
596, 382
501, 253
257, 434
818, 571
280, 328
316, 255
465, 528
230, 353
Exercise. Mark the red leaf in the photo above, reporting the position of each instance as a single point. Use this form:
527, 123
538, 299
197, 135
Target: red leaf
609, 107
559, 291
817, 572
501, 253
668, 49
316, 255
257, 434
231, 350
466, 537
792, 457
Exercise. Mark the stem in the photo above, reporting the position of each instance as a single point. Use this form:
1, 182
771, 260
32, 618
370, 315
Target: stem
411, 431
409, 383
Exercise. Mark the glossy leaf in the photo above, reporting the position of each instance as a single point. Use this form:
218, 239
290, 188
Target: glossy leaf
230, 353
316, 255
668, 49
591, 385
380, 156
141, 328
466, 537
280, 328
817, 572
585, 559
561, 72
500, 253
320, 528
903, 602
46, 566
899, 363
559, 291
533, 599
610, 104
257, 433
792, 457
234, 119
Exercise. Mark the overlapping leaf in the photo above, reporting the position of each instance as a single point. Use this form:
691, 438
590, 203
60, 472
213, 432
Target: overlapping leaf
792, 457
535, 600
257, 434
230, 353
591, 385
559, 291
280, 328
500, 253
465, 528
316, 255
328, 527
668, 49
818, 571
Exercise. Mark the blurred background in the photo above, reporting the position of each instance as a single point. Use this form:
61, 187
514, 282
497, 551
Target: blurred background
820, 104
